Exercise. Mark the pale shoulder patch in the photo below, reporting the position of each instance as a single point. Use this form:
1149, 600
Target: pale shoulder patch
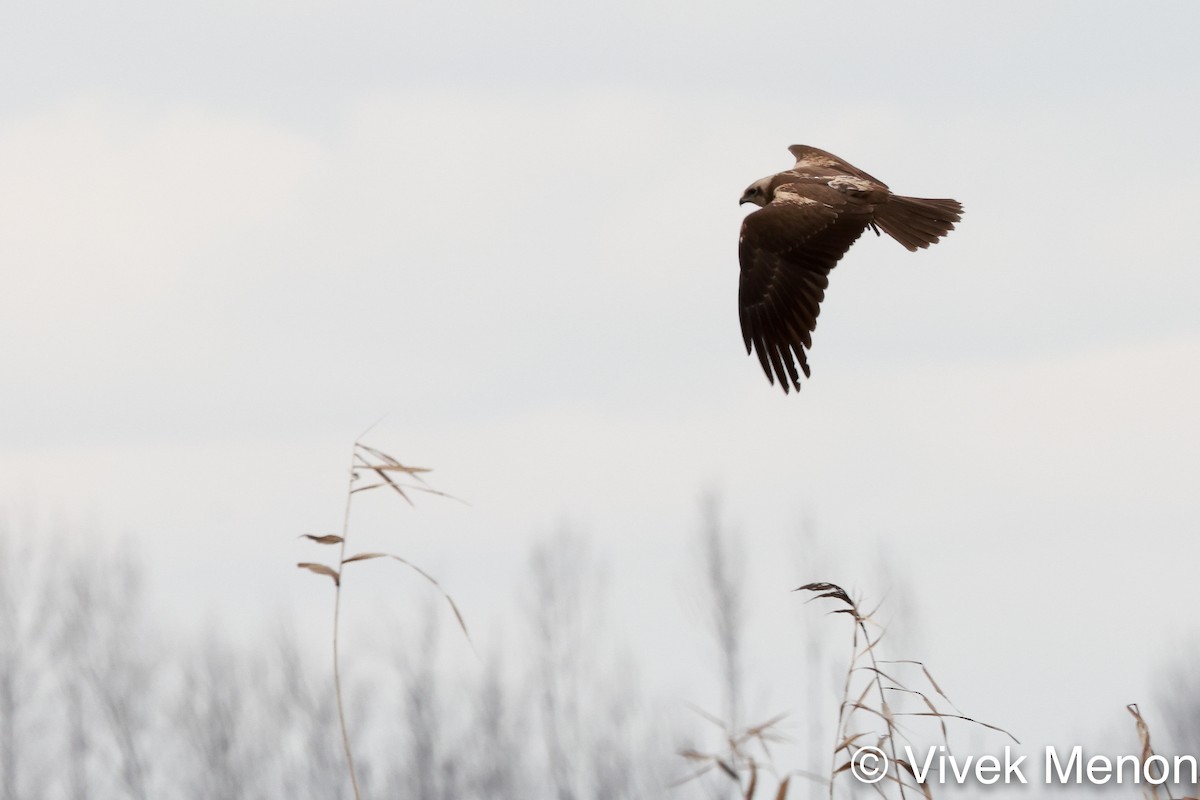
784, 194
849, 183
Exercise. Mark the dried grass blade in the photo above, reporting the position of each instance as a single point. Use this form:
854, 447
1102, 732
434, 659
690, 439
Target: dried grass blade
928, 676
866, 708
849, 740
916, 784
826, 590
358, 489
321, 569
400, 468
862, 697
365, 557
886, 710
430, 490
758, 731
329, 538
397, 487
923, 788
392, 463
1143, 731
880, 673
928, 704
462, 623
870, 644
749, 795
995, 728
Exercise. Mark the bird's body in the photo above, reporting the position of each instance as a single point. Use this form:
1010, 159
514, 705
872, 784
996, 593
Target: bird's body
810, 216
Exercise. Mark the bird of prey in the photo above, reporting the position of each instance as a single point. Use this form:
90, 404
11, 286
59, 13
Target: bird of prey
809, 217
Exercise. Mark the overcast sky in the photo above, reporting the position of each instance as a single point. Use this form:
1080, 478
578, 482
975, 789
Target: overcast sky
232, 235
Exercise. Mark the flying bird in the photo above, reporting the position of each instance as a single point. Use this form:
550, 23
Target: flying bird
809, 217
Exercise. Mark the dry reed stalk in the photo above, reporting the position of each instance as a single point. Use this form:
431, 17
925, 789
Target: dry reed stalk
879, 684
401, 479
1143, 731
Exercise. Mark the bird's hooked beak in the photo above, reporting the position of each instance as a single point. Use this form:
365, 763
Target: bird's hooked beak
755, 193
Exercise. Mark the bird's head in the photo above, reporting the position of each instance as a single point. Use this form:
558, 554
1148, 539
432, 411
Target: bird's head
758, 193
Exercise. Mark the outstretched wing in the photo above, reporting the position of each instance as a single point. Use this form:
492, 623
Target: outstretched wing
808, 158
787, 249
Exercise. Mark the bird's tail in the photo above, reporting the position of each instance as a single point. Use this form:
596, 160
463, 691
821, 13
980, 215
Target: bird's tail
915, 222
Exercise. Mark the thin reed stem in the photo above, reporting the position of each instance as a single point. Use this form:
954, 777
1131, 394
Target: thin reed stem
383, 466
337, 609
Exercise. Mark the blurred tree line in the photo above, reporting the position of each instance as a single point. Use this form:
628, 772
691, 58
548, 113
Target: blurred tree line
99, 701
